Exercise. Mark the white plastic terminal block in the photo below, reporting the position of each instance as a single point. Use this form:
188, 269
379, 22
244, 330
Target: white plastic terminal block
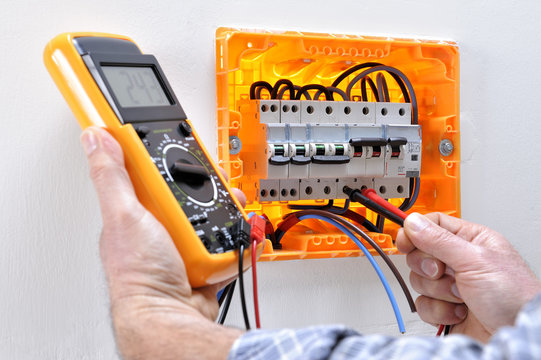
391, 188
269, 190
403, 156
357, 112
269, 111
289, 190
290, 111
393, 113
354, 183
314, 189
312, 112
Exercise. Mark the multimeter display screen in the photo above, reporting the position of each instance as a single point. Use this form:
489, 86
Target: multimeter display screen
135, 86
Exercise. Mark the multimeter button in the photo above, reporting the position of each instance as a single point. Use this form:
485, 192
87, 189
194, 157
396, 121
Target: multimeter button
142, 131
185, 128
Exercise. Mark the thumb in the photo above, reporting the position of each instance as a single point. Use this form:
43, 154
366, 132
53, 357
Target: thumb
433, 239
111, 180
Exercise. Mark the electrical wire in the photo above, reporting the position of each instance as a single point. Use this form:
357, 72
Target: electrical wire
257, 85
304, 90
227, 302
390, 70
254, 282
440, 330
333, 90
447, 330
241, 288
383, 90
367, 238
289, 86
364, 94
373, 262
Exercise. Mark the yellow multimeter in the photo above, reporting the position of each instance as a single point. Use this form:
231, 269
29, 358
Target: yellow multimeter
108, 82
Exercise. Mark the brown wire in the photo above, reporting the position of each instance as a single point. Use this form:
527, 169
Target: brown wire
372, 243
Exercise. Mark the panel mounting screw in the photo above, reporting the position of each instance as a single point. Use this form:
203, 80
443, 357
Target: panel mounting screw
446, 147
234, 145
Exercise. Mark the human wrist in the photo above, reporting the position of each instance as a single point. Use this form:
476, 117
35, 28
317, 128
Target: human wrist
169, 331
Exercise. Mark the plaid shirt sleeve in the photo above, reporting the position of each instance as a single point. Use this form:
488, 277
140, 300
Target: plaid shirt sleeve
523, 341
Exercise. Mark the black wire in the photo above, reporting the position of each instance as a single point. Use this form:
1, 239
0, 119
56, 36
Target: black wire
227, 302
391, 71
304, 90
446, 330
289, 85
383, 90
257, 85
380, 223
241, 288
372, 243
364, 94
333, 90
311, 207
224, 294
353, 69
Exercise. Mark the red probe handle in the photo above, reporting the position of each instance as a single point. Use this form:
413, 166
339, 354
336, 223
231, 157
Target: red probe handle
372, 195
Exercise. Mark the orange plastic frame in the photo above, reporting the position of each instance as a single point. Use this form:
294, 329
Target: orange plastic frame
92, 109
243, 57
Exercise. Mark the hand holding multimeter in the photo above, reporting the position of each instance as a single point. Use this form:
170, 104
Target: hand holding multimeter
108, 82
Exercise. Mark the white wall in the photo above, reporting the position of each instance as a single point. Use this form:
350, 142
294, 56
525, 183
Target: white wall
53, 303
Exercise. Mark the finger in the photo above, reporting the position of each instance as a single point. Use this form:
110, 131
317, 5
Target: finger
442, 244
240, 196
441, 289
435, 311
224, 173
425, 265
111, 180
462, 228
403, 243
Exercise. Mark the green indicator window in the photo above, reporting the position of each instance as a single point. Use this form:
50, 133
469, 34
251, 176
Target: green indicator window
135, 86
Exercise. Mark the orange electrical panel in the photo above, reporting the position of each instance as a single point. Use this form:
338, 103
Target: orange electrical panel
261, 140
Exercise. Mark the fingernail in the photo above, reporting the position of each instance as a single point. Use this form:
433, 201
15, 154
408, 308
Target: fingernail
416, 222
454, 290
461, 311
429, 267
89, 141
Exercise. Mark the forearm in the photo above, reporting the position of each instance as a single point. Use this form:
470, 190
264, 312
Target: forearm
185, 334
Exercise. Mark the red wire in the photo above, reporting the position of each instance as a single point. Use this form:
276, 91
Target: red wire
440, 330
254, 280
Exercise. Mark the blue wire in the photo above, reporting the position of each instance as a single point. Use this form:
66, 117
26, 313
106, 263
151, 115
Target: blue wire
370, 258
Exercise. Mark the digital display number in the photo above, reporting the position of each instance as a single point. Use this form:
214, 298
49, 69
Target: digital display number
135, 86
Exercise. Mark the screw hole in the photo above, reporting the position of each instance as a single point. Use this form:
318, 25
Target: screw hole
401, 112
310, 109
384, 111
327, 190
366, 110
364, 187
285, 108
382, 189
263, 193
328, 110
274, 108
294, 108
264, 108
347, 110
308, 190
272, 193
284, 192
400, 189
293, 192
